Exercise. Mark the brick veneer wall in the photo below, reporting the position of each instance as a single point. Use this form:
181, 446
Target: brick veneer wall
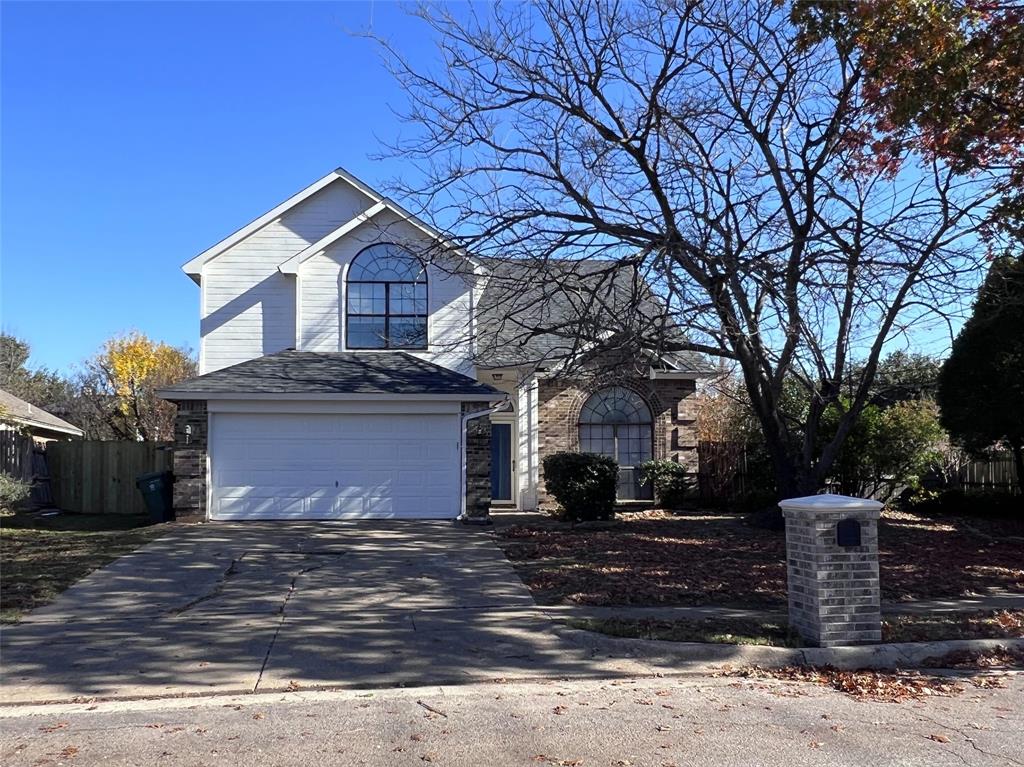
673, 408
190, 461
834, 591
478, 461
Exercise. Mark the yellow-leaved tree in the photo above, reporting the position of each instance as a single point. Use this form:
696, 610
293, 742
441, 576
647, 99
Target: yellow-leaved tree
121, 381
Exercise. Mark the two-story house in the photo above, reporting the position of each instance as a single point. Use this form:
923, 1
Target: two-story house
353, 365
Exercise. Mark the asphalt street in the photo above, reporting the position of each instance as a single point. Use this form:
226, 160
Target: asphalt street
658, 722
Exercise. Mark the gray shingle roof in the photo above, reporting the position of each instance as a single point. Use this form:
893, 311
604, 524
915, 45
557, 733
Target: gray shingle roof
559, 295
292, 372
18, 410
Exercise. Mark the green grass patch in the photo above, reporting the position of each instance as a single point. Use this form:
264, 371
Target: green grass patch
40, 556
713, 630
982, 624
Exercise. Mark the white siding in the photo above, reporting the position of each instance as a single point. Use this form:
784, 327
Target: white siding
247, 307
528, 449
321, 311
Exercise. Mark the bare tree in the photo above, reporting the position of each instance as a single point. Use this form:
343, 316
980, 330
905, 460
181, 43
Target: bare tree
697, 157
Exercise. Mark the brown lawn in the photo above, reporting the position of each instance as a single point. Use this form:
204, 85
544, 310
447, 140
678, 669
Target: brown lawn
40, 556
654, 558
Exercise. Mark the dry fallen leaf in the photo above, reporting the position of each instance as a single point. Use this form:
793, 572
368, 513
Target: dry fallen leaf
884, 686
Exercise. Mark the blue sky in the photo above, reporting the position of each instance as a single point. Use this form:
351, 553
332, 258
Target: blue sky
135, 135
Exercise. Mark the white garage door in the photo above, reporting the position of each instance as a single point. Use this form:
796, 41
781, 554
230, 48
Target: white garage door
339, 466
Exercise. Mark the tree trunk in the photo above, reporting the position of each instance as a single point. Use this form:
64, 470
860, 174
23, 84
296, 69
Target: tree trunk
792, 479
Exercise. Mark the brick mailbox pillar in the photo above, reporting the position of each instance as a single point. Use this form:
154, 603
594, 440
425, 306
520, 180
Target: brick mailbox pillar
832, 555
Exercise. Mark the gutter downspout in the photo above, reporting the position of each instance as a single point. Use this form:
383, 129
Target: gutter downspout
463, 517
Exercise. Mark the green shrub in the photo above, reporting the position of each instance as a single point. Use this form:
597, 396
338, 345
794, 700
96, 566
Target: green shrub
12, 492
672, 483
583, 484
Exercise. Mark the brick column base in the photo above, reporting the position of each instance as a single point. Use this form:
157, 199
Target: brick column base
478, 464
190, 445
832, 555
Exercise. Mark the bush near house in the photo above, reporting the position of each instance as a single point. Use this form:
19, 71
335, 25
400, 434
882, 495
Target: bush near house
12, 492
672, 483
583, 484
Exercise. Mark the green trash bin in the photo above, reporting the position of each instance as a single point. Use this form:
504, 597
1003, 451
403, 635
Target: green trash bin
157, 490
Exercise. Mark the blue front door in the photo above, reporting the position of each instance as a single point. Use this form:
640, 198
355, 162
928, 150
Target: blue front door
501, 462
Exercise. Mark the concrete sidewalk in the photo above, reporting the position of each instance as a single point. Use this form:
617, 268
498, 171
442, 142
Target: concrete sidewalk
269, 606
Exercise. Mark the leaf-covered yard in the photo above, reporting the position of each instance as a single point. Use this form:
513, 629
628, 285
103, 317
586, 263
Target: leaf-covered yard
42, 555
655, 558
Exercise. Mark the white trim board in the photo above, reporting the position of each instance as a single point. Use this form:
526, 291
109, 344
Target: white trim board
332, 406
193, 268
291, 266
337, 397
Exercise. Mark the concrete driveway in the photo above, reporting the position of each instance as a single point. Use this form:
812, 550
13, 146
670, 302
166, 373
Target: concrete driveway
247, 607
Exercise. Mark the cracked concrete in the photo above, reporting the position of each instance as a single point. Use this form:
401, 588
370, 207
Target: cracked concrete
263, 606
218, 587
245, 608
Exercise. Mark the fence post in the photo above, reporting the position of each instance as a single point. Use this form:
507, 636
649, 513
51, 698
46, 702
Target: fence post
832, 556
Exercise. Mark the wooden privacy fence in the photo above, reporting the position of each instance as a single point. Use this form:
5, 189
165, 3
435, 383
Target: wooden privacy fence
16, 454
23, 458
722, 470
99, 477
725, 474
994, 473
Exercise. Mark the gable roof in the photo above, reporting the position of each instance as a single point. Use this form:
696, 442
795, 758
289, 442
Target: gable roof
193, 267
378, 204
521, 295
300, 374
292, 264
18, 410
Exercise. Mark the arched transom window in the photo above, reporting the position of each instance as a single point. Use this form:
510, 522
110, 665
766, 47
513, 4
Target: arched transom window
386, 300
617, 422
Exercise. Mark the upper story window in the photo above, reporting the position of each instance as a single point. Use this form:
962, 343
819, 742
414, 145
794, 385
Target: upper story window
386, 300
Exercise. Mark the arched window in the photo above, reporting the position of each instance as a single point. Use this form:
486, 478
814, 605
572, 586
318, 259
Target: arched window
386, 300
617, 422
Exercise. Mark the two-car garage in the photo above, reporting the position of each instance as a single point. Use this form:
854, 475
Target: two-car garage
334, 466
319, 436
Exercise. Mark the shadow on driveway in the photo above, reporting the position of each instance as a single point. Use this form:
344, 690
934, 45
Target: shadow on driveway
264, 606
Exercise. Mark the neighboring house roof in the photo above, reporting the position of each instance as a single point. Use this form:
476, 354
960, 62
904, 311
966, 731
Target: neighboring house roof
340, 374
19, 411
521, 295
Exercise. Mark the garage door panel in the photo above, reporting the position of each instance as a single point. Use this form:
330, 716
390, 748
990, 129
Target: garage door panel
337, 466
